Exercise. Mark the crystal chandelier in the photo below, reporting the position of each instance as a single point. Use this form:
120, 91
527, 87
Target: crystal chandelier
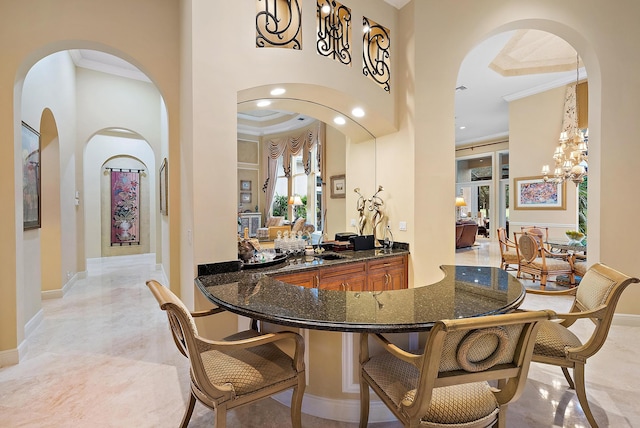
571, 154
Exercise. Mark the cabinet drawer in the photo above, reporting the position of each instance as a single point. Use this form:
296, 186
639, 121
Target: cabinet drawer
306, 279
350, 283
331, 273
387, 263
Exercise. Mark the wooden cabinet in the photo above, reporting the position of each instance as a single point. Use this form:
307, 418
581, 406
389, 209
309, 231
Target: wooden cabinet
307, 278
389, 273
349, 277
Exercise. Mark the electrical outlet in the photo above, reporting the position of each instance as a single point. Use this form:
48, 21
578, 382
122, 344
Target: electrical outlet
353, 222
403, 226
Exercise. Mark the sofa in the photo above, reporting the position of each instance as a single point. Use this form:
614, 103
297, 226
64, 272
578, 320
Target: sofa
466, 234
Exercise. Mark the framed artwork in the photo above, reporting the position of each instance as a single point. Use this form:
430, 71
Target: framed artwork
30, 178
164, 191
533, 193
338, 186
245, 197
245, 185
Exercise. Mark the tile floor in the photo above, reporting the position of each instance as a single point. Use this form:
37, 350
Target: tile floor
103, 357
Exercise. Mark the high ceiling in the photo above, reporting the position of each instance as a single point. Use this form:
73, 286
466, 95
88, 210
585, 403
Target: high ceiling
502, 68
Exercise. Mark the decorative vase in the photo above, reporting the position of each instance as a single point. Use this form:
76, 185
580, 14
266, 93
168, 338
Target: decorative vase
124, 227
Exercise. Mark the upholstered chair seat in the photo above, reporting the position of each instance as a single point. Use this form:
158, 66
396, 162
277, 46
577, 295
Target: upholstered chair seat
449, 406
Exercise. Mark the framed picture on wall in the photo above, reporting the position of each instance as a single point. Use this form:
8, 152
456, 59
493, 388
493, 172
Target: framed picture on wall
245, 185
30, 177
164, 191
533, 193
338, 186
245, 197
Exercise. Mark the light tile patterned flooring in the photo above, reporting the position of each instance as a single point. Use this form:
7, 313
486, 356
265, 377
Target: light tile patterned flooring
103, 357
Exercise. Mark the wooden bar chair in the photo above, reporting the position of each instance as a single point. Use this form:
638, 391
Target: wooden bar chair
447, 384
237, 370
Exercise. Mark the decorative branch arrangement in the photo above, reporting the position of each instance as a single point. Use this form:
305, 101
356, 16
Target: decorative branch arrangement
374, 206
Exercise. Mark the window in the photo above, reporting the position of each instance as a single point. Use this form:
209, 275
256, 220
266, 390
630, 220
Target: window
307, 187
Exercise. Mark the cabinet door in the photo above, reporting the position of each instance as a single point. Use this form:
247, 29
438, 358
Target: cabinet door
389, 273
349, 277
307, 279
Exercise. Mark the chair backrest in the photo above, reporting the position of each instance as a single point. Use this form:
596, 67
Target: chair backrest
503, 240
185, 335
527, 246
540, 233
600, 291
181, 322
467, 350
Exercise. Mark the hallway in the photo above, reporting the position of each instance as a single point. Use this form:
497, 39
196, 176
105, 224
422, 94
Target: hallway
103, 357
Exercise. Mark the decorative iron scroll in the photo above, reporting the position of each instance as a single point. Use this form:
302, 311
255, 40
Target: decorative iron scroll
376, 45
334, 31
279, 24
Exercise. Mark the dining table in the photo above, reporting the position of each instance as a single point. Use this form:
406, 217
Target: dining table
463, 291
567, 246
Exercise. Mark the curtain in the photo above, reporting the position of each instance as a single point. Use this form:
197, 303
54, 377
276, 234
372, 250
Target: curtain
286, 147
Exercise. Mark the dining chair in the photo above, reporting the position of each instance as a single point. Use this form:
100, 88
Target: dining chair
595, 299
447, 383
537, 261
541, 233
237, 370
508, 253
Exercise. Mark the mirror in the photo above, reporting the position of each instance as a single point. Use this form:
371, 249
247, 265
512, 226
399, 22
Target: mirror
348, 161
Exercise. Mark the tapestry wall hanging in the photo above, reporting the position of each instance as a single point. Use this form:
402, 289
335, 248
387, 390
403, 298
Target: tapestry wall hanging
125, 204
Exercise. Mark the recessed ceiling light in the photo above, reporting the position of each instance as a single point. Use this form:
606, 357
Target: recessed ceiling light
263, 103
463, 127
339, 120
357, 112
278, 91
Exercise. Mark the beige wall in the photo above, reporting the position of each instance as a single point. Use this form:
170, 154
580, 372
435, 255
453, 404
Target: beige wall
66, 26
433, 39
534, 127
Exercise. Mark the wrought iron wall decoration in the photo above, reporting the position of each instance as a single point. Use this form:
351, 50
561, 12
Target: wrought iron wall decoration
334, 31
279, 24
376, 45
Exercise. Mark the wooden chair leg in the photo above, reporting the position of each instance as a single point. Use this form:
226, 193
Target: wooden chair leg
296, 406
364, 404
567, 376
220, 417
188, 412
578, 374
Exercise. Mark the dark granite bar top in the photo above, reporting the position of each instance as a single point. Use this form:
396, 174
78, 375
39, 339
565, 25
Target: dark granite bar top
465, 291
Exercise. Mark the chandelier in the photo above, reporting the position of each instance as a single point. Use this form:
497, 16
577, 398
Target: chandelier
570, 156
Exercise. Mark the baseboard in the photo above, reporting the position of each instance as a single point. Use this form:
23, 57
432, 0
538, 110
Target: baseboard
338, 409
10, 357
57, 294
627, 320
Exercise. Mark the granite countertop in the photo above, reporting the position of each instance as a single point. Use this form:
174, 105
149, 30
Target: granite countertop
221, 273
465, 291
